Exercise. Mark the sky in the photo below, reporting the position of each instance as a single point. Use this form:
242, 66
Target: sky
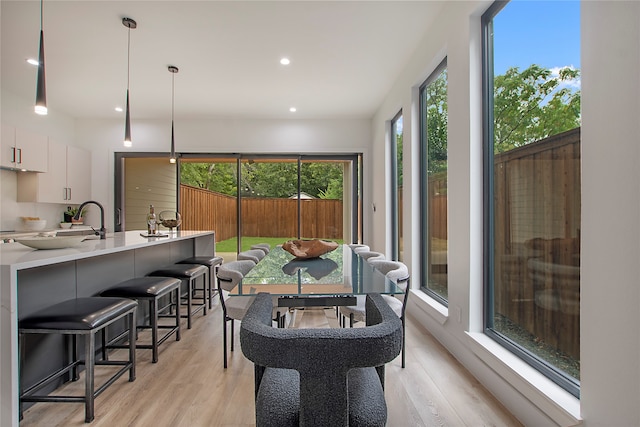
543, 32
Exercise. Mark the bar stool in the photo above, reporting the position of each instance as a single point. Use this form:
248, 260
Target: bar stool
189, 273
80, 316
149, 289
212, 263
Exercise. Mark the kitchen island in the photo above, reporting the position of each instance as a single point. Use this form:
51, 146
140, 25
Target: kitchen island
33, 279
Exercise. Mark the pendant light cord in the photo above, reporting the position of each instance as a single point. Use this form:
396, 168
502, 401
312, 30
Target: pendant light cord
128, 54
173, 92
41, 14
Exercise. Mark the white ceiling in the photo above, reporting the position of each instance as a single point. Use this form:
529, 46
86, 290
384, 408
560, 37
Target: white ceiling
344, 55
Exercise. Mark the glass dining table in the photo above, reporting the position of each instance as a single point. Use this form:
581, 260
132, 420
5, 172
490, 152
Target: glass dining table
332, 279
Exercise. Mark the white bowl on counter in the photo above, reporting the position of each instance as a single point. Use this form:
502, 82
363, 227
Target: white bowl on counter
50, 242
33, 224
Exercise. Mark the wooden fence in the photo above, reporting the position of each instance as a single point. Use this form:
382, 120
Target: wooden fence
264, 217
537, 239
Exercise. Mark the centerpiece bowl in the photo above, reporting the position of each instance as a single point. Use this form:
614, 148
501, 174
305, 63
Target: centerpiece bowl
170, 219
306, 249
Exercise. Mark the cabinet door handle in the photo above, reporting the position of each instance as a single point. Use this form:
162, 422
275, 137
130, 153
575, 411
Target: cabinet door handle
13, 154
20, 155
118, 216
64, 193
69, 188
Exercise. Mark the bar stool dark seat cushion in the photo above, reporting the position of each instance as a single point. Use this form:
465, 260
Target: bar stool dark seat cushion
186, 271
142, 287
78, 314
203, 260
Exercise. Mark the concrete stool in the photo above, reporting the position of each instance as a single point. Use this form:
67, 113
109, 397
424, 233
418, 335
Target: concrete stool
149, 289
80, 316
189, 273
212, 263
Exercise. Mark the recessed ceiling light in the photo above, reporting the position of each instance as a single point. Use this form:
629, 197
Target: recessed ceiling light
285, 61
118, 109
33, 61
293, 109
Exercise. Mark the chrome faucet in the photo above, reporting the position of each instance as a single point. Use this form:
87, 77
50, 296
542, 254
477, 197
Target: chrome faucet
103, 231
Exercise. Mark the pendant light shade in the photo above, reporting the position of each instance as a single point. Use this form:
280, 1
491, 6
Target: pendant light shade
173, 70
130, 24
41, 87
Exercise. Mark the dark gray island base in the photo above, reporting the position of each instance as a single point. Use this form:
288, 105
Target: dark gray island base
34, 279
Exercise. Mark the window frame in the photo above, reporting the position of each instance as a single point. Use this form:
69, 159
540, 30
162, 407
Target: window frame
424, 180
395, 208
568, 383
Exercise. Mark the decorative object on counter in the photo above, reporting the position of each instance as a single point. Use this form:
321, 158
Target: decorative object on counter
152, 221
173, 70
70, 215
51, 242
170, 219
65, 225
31, 223
309, 248
158, 234
41, 87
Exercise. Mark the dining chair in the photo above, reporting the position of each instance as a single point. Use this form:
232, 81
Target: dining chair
320, 376
357, 247
371, 255
254, 255
398, 273
265, 247
234, 307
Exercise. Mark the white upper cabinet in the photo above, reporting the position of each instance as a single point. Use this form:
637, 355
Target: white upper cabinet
68, 179
22, 149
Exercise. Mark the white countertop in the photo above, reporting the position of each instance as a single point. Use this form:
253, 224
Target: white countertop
21, 257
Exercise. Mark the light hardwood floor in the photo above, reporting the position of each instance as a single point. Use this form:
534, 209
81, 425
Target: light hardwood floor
189, 387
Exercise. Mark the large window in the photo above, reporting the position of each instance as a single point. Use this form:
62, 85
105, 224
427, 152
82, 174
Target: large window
532, 175
396, 185
433, 123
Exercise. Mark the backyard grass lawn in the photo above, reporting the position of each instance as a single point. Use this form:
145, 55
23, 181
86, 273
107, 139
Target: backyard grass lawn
231, 245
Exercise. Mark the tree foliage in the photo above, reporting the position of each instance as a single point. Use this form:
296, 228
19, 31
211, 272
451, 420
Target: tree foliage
529, 105
532, 105
267, 179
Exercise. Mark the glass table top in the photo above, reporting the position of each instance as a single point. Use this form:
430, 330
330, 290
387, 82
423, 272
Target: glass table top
339, 272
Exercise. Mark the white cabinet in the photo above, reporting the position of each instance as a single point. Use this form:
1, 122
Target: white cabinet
68, 179
23, 149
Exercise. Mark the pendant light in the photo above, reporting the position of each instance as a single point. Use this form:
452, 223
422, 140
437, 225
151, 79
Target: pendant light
130, 24
173, 70
41, 90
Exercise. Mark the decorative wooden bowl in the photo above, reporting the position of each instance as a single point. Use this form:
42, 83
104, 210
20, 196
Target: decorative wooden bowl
306, 249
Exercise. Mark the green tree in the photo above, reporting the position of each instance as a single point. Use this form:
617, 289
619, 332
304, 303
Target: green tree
220, 177
437, 123
532, 105
267, 179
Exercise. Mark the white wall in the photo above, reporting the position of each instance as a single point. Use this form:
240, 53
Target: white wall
610, 296
217, 135
610, 288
